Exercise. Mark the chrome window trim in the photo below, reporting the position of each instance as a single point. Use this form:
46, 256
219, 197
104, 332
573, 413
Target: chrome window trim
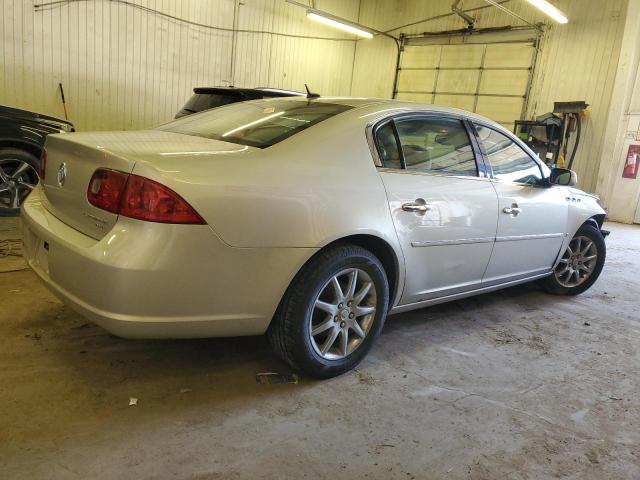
430, 174
520, 184
369, 131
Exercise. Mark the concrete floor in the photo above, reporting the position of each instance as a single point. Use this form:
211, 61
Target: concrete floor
511, 385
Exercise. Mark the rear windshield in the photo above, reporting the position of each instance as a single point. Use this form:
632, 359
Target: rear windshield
260, 123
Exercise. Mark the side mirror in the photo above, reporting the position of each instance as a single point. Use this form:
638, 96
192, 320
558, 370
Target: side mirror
563, 176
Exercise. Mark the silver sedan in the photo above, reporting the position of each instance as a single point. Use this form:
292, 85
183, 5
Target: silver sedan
308, 219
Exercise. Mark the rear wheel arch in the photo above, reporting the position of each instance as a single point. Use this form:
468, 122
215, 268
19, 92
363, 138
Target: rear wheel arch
382, 250
374, 244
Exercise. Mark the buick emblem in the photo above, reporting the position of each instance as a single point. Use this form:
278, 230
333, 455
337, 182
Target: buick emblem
62, 174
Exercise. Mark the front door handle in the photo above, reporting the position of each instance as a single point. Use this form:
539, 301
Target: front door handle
419, 206
513, 210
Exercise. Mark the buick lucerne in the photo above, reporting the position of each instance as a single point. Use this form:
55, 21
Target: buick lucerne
310, 220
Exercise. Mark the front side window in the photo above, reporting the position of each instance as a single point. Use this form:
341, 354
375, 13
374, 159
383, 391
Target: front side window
508, 160
436, 145
260, 123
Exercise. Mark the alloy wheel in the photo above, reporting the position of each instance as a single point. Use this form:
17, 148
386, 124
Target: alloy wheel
342, 314
577, 263
17, 179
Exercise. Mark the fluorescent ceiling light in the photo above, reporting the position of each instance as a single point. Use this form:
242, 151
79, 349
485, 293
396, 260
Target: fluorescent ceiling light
550, 10
318, 17
338, 22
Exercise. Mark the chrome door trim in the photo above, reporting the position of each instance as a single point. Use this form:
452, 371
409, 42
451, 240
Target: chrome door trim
462, 241
515, 238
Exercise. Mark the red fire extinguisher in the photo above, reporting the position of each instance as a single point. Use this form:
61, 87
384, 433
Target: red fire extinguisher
633, 161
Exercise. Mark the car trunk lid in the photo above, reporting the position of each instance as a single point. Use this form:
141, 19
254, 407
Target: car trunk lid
72, 160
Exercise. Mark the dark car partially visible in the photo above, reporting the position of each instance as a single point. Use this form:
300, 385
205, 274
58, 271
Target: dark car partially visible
22, 137
204, 98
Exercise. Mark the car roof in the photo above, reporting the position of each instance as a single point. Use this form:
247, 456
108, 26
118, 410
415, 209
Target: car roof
385, 106
355, 102
382, 104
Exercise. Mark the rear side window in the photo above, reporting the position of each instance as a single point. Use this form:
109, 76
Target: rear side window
388, 146
508, 160
429, 145
260, 123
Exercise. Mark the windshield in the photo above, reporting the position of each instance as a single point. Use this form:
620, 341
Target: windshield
260, 123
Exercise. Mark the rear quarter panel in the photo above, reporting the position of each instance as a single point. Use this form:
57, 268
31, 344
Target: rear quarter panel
307, 191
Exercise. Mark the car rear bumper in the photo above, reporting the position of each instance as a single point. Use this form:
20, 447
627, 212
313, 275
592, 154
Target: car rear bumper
153, 280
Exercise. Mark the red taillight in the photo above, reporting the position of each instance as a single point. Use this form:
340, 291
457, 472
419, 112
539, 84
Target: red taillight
43, 164
140, 198
105, 189
147, 200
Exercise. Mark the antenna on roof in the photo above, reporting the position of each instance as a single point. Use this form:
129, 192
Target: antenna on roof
310, 94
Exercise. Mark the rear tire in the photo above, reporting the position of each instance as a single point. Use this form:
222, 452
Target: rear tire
580, 264
332, 312
18, 176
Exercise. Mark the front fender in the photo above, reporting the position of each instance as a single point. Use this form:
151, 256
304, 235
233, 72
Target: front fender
583, 208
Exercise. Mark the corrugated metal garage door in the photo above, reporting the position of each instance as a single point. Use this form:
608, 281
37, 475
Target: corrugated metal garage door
491, 79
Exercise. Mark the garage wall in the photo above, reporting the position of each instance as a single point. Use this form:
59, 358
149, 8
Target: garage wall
126, 67
577, 61
620, 194
373, 75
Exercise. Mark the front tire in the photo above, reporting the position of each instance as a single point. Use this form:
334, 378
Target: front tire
332, 312
580, 264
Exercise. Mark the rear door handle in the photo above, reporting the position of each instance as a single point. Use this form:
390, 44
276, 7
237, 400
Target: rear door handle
513, 210
419, 206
